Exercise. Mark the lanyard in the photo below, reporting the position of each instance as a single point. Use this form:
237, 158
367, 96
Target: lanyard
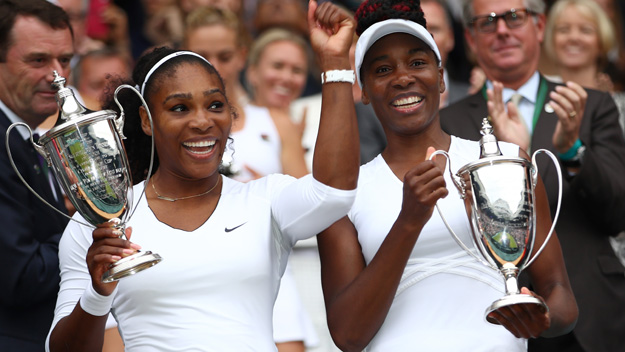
541, 95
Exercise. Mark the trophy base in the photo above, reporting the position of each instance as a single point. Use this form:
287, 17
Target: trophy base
512, 300
130, 265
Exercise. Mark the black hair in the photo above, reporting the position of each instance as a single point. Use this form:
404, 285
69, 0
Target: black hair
44, 11
137, 143
371, 12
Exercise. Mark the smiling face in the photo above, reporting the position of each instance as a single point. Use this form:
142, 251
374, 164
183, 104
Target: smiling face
576, 39
279, 76
507, 55
192, 121
403, 83
26, 75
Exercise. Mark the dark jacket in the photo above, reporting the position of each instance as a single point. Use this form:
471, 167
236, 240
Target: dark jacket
29, 238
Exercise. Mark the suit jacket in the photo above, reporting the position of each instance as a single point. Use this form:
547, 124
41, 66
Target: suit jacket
457, 91
29, 237
593, 208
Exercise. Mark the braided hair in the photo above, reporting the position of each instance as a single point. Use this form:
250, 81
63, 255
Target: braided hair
371, 12
137, 143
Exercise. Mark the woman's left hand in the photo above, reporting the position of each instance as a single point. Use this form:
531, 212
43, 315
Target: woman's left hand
524, 320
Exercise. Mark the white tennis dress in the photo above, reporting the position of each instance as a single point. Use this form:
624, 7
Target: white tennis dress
216, 286
444, 292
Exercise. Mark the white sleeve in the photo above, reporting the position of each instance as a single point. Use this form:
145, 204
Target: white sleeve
305, 207
75, 277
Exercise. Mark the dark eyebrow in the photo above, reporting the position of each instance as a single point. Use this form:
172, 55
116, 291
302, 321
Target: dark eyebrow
213, 91
178, 96
189, 96
34, 55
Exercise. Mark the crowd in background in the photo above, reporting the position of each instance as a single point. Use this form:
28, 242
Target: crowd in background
262, 51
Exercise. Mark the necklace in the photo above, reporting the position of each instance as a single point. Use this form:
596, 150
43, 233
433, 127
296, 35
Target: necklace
169, 199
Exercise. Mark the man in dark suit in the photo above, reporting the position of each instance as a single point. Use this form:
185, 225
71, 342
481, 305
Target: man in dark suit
580, 126
35, 39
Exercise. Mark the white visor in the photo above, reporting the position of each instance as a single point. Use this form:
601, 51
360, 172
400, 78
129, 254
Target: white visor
380, 29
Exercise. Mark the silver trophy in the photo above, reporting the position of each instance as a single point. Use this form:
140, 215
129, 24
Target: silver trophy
85, 152
498, 193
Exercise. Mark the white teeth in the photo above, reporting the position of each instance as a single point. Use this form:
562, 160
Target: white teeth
202, 144
407, 101
200, 153
283, 90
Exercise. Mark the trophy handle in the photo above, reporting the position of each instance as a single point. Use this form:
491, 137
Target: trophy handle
41, 152
534, 181
458, 182
119, 125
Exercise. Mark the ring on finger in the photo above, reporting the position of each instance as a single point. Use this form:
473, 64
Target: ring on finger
572, 114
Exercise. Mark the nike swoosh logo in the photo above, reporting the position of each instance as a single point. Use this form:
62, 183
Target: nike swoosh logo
234, 228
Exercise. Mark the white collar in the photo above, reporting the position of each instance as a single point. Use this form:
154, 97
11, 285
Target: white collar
528, 90
14, 118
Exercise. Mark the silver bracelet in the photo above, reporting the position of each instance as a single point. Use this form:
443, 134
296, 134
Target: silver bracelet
346, 76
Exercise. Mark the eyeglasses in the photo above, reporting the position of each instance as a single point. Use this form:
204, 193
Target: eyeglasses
514, 18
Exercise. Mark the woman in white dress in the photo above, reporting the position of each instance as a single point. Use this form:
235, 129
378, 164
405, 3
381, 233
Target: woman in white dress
224, 243
394, 279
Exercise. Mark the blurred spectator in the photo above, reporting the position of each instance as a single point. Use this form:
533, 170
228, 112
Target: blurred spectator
164, 24
77, 12
439, 23
288, 14
219, 36
579, 38
616, 65
112, 25
235, 6
95, 69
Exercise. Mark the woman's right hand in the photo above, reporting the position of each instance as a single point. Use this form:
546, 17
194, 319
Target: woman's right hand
424, 185
108, 247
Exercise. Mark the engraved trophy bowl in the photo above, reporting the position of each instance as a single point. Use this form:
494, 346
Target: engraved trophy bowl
498, 194
85, 152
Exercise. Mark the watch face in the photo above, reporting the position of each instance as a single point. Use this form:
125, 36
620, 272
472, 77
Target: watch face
576, 161
580, 153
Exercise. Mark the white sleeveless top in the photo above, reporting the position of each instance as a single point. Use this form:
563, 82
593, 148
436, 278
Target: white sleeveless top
444, 292
257, 145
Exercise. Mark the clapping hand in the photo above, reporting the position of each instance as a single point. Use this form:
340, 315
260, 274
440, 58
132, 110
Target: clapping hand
568, 102
508, 125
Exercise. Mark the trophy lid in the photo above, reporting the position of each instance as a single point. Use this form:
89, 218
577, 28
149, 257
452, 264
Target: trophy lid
69, 107
488, 143
71, 112
490, 154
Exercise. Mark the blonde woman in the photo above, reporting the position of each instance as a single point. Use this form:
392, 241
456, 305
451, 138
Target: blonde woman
579, 37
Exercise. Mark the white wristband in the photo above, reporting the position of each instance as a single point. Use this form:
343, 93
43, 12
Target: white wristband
347, 76
94, 303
